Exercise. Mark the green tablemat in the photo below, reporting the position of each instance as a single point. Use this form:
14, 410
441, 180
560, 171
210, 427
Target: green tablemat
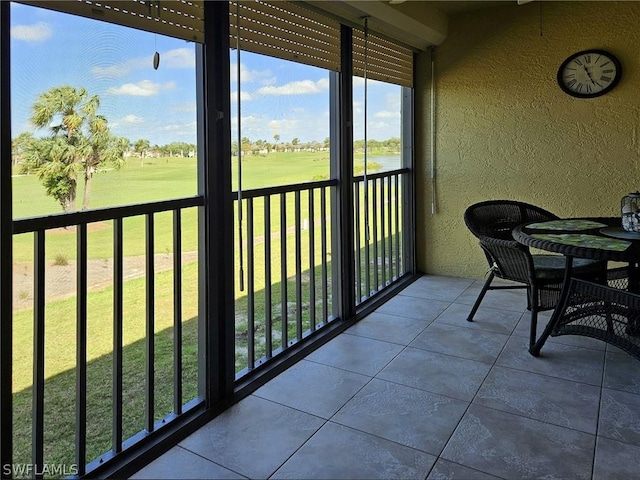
583, 240
567, 225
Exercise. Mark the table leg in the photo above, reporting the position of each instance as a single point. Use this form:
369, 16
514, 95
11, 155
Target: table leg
633, 327
536, 345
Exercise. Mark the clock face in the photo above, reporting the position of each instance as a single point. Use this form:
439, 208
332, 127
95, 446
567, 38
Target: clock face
589, 73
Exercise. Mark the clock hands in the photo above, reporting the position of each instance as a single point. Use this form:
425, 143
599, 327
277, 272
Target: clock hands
588, 74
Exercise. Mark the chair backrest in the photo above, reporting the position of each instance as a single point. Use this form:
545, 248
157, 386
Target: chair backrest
492, 223
498, 218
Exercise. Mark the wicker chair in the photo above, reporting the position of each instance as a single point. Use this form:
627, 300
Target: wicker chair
542, 275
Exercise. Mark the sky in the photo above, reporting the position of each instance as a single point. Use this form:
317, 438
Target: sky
277, 97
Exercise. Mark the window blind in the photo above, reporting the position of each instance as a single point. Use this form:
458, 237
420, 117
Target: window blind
386, 61
175, 18
288, 31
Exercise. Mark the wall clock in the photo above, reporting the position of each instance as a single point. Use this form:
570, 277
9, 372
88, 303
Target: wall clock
589, 73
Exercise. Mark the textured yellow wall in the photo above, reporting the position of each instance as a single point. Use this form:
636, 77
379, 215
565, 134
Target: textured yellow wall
504, 129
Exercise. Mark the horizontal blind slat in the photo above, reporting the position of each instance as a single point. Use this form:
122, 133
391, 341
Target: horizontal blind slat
285, 31
178, 18
386, 61
287, 13
256, 46
288, 31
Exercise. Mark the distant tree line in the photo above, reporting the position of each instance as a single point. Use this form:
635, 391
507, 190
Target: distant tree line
264, 147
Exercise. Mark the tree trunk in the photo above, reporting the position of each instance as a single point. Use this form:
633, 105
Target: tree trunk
86, 193
69, 202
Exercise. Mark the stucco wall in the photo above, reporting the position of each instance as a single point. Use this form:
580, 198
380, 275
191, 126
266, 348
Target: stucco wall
504, 129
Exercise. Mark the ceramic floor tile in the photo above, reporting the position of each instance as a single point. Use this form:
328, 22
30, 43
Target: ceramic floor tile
356, 354
414, 418
463, 342
583, 365
254, 437
446, 470
620, 416
341, 452
179, 463
437, 373
523, 328
511, 446
616, 460
622, 372
389, 328
437, 287
413, 307
514, 300
485, 319
313, 388
540, 397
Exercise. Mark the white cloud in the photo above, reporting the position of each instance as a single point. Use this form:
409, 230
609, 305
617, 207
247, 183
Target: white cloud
113, 71
244, 96
179, 127
253, 126
306, 128
144, 88
122, 126
265, 77
358, 108
126, 122
176, 58
383, 130
184, 108
393, 101
300, 87
387, 114
31, 33
131, 119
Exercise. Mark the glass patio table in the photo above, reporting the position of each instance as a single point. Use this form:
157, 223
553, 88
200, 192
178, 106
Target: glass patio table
608, 311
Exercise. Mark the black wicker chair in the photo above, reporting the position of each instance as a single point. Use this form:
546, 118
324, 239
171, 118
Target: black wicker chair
542, 275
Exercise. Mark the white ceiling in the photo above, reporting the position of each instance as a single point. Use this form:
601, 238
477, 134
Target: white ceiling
416, 23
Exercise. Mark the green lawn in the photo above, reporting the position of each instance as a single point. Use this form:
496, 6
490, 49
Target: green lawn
158, 179
60, 351
165, 178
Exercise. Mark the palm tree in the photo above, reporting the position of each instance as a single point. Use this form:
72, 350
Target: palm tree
19, 147
141, 146
104, 148
78, 143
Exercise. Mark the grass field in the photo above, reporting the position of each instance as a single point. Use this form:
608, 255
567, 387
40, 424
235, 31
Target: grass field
158, 179
164, 178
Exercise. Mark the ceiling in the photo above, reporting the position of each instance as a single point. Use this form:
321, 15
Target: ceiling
457, 7
416, 23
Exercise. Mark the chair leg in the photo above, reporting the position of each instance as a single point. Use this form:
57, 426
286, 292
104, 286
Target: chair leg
483, 292
533, 328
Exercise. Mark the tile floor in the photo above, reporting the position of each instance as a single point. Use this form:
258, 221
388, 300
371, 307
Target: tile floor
416, 391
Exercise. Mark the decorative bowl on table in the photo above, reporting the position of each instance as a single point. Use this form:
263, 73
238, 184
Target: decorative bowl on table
630, 207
